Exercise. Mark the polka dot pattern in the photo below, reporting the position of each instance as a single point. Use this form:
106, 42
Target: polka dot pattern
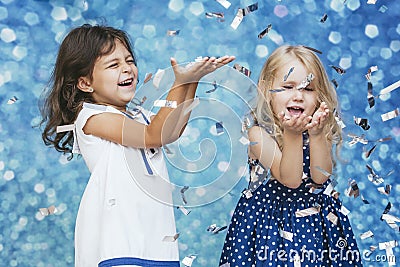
264, 230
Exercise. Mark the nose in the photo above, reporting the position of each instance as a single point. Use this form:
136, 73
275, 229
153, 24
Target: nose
297, 94
127, 68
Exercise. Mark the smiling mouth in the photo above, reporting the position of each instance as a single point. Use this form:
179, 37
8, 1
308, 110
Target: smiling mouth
127, 82
295, 111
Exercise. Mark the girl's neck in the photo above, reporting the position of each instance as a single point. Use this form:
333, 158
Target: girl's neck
123, 109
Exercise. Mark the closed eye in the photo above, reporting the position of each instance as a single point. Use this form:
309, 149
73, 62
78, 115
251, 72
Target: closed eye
308, 89
288, 87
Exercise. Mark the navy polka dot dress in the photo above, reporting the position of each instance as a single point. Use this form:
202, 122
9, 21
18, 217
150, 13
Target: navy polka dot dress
274, 225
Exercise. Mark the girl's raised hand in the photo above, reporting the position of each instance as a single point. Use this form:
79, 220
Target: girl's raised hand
194, 71
319, 119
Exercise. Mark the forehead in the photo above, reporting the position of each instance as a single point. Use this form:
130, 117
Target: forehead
292, 69
114, 50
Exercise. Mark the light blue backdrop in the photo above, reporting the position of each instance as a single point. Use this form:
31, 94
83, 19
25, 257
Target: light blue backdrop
355, 36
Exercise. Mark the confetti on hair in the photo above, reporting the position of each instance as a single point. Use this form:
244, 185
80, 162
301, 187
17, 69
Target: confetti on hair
172, 32
287, 75
242, 69
390, 115
65, 128
362, 122
171, 238
214, 229
12, 100
324, 18
305, 82
339, 70
313, 49
265, 31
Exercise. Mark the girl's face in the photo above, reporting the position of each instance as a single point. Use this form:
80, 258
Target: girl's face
291, 100
115, 78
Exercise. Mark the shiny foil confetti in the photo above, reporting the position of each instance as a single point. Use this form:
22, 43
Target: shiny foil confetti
286, 235
366, 235
184, 210
219, 127
324, 18
373, 177
288, 74
48, 211
65, 128
165, 103
362, 122
332, 218
215, 86
218, 15
352, 190
188, 260
12, 100
173, 32
224, 3
370, 96
370, 71
214, 229
390, 115
238, 19
305, 82
169, 238
183, 190
265, 31
242, 69
390, 88
339, 70
309, 211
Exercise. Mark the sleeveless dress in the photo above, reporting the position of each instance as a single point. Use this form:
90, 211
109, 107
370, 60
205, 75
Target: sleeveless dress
121, 221
274, 225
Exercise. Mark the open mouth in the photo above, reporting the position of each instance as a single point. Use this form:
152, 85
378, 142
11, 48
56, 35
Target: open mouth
127, 82
295, 111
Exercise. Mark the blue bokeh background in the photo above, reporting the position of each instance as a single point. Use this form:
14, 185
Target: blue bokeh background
355, 36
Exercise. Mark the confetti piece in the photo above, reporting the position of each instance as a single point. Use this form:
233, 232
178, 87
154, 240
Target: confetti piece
183, 190
335, 83
188, 260
308, 211
344, 210
383, 9
245, 124
48, 211
369, 152
195, 103
165, 103
305, 82
364, 200
238, 19
169, 238
357, 139
215, 88
265, 31
352, 190
157, 77
224, 3
287, 75
227, 264
213, 228
249, 9
313, 49
247, 193
390, 88
167, 150
173, 32
242, 69
371, 2
147, 77
390, 115
332, 218
385, 190
244, 141
184, 210
362, 122
12, 100
370, 96
387, 209
219, 127
324, 18
370, 71
65, 128
286, 235
366, 235
218, 15
339, 70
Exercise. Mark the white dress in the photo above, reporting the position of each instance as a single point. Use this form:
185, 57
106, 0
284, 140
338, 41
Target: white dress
124, 214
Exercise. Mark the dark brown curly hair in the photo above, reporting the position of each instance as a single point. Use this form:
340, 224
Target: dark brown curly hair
62, 100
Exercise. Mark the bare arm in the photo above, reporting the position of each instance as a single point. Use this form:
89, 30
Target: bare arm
168, 121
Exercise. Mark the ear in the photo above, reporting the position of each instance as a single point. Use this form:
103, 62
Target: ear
84, 85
